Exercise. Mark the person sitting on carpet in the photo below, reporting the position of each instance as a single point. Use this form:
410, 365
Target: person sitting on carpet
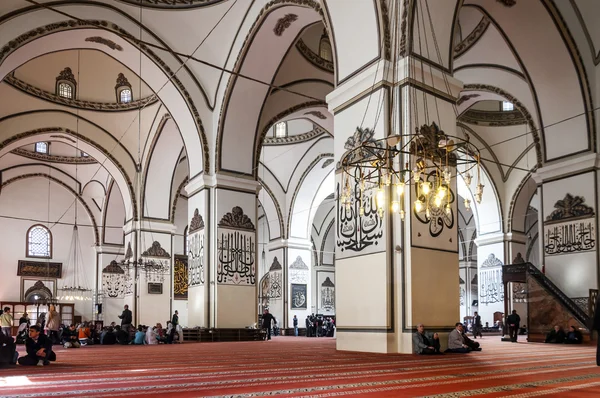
473, 345
151, 336
574, 336
140, 336
425, 343
122, 335
70, 337
110, 337
39, 349
8, 350
456, 342
556, 336
85, 336
161, 337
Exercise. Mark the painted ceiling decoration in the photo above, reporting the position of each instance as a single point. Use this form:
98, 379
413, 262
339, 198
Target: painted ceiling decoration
493, 118
295, 139
54, 158
570, 207
313, 57
237, 219
156, 250
172, 4
101, 40
284, 23
472, 38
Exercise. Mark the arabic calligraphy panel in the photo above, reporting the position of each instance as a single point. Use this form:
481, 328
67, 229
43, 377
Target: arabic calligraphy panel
180, 278
236, 257
570, 237
299, 297
196, 258
113, 285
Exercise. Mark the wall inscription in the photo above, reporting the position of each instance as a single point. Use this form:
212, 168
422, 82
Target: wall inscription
571, 237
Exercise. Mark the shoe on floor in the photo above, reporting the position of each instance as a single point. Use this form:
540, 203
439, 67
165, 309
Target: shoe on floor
40, 363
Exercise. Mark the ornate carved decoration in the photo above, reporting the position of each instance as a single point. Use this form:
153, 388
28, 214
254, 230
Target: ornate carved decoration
75, 103
101, 40
404, 28
276, 266
196, 223
472, 38
122, 81
66, 186
491, 261
54, 158
66, 75
275, 285
295, 139
570, 207
17, 137
76, 24
180, 278
493, 118
156, 251
129, 253
298, 296
327, 163
507, 3
264, 12
570, 237
466, 97
317, 114
196, 258
113, 284
39, 268
519, 106
284, 23
299, 264
113, 268
237, 219
461, 281
474, 280
387, 36
428, 142
313, 57
519, 259
491, 288
236, 257
38, 287
172, 4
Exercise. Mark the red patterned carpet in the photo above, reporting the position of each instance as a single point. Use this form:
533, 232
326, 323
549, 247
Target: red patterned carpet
298, 366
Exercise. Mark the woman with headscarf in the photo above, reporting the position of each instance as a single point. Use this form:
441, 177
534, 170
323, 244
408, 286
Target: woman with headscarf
151, 336
53, 324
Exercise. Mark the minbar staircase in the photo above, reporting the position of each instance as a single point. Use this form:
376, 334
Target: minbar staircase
547, 305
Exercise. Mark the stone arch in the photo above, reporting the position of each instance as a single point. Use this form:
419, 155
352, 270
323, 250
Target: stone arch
519, 204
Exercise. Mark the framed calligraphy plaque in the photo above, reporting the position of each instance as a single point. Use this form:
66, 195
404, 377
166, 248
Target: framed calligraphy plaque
155, 288
180, 278
299, 300
39, 269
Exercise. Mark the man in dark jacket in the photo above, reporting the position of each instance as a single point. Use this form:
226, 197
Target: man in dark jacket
267, 319
425, 343
126, 319
513, 321
596, 326
556, 336
174, 323
8, 348
39, 349
477, 325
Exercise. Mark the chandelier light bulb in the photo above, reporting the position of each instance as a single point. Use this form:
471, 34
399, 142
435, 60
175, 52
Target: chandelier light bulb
348, 208
402, 215
395, 206
468, 178
467, 204
437, 201
362, 211
380, 198
425, 188
400, 188
447, 175
388, 180
427, 212
416, 174
418, 206
441, 193
448, 209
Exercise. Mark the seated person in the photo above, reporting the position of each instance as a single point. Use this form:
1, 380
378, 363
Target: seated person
8, 350
456, 342
70, 337
122, 336
473, 345
85, 336
574, 336
556, 336
425, 343
39, 349
110, 337
161, 336
140, 336
151, 335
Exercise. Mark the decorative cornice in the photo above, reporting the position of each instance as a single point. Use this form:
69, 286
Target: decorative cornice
387, 36
276, 266
472, 38
75, 103
66, 75
327, 163
237, 219
404, 28
54, 158
101, 40
491, 261
507, 3
171, 4
113, 268
122, 81
129, 253
313, 57
520, 107
317, 114
156, 251
68, 187
327, 283
284, 23
197, 223
64, 137
570, 207
299, 264
493, 118
295, 139
466, 97
41, 31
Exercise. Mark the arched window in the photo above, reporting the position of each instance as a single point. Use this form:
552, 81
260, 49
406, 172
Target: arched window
281, 130
41, 147
66, 84
123, 89
507, 106
325, 47
39, 242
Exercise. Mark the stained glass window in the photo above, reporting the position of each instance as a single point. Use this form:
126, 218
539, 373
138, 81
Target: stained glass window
39, 242
65, 90
125, 96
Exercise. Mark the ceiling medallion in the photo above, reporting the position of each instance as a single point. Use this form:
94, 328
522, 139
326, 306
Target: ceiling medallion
284, 23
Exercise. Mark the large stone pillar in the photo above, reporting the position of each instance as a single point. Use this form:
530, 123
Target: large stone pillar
490, 258
110, 283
